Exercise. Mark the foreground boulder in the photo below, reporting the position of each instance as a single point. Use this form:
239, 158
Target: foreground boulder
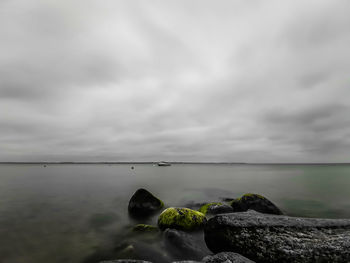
223, 257
215, 208
181, 218
125, 261
143, 203
228, 257
184, 246
255, 202
272, 238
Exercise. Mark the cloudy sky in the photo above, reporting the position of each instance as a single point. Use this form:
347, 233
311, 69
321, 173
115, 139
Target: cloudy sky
240, 81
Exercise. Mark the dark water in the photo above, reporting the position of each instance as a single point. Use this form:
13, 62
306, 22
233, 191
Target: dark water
78, 213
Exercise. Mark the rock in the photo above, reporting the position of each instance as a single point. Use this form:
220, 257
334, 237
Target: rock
273, 238
184, 246
255, 202
226, 257
215, 208
194, 205
227, 199
181, 218
142, 251
145, 228
125, 261
143, 203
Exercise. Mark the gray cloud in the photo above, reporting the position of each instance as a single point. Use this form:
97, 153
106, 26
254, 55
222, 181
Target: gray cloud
176, 80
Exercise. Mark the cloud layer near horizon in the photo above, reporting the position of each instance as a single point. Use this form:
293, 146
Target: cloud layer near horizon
251, 81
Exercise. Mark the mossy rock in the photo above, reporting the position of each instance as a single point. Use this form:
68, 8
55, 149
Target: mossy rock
215, 208
255, 202
145, 228
181, 218
143, 203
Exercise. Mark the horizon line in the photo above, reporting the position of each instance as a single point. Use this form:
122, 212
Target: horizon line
175, 162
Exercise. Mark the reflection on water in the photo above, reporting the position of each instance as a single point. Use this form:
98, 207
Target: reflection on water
78, 213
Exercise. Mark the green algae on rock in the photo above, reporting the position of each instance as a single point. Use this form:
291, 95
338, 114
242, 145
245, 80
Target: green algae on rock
143, 203
181, 218
145, 228
204, 208
255, 202
215, 208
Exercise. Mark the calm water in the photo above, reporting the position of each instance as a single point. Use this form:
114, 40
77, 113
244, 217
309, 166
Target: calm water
78, 213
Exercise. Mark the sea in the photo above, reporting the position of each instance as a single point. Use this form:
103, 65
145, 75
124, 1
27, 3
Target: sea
78, 212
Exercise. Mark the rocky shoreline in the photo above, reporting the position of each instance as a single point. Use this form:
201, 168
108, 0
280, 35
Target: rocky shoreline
246, 229
271, 238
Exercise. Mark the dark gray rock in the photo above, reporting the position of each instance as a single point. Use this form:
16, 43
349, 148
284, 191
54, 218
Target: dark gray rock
219, 209
228, 257
125, 261
255, 202
143, 203
185, 246
272, 238
227, 199
194, 205
142, 251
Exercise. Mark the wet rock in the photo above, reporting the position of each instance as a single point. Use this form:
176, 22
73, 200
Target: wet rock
181, 218
184, 246
228, 257
194, 205
125, 261
273, 238
255, 202
227, 199
143, 203
142, 251
215, 208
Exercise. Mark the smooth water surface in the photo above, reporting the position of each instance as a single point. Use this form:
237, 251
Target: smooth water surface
78, 212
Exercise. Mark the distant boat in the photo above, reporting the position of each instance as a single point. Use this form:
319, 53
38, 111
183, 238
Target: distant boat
164, 164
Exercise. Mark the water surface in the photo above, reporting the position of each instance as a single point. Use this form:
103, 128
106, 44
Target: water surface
78, 212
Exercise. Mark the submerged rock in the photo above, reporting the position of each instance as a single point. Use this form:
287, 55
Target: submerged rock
215, 208
183, 245
181, 218
255, 202
145, 228
143, 203
143, 251
228, 257
273, 238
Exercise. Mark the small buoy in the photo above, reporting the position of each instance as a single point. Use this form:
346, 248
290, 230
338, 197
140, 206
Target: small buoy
132, 167
45, 165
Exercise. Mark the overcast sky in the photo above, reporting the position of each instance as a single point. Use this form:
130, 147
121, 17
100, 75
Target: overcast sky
240, 81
